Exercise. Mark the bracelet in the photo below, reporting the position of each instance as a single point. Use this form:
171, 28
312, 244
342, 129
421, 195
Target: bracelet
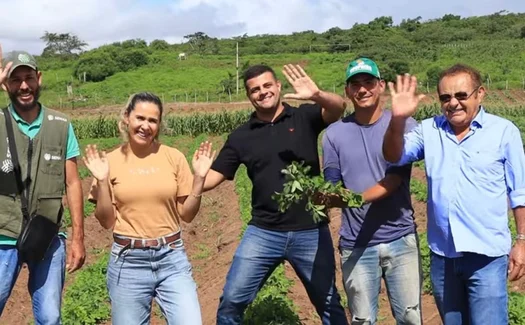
520, 237
196, 196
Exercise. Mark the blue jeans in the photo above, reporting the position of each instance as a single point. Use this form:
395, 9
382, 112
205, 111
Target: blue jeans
311, 254
471, 289
138, 275
46, 280
398, 262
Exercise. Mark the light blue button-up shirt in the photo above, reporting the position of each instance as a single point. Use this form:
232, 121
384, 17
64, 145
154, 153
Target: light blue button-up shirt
469, 182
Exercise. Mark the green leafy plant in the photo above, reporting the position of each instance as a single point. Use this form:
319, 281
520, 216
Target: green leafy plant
425, 262
86, 300
301, 185
419, 189
516, 308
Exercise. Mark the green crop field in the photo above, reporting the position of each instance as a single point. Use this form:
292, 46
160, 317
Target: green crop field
200, 92
272, 303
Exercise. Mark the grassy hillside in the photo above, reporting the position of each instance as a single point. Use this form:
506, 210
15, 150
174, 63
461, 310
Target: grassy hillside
494, 44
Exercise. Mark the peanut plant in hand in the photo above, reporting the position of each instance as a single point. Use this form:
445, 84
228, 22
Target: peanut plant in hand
301, 185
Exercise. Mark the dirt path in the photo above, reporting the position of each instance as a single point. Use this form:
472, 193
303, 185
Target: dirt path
170, 108
210, 241
300, 297
307, 313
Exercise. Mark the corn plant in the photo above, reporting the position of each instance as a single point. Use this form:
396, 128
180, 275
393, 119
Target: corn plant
174, 125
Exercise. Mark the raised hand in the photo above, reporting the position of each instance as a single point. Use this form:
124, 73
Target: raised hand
3, 70
96, 162
404, 98
202, 159
305, 88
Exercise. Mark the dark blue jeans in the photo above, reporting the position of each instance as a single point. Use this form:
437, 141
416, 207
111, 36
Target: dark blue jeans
311, 254
46, 280
471, 289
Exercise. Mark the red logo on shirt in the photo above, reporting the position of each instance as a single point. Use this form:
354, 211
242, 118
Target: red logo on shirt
291, 129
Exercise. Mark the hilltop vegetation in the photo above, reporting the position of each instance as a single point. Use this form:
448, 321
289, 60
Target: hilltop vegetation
495, 44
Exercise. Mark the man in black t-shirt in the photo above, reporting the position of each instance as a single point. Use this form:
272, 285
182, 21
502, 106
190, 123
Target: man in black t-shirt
276, 135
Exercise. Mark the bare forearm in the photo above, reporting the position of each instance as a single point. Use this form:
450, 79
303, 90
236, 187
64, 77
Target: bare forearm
213, 179
382, 189
76, 208
104, 211
335, 201
374, 193
519, 216
333, 104
192, 204
393, 140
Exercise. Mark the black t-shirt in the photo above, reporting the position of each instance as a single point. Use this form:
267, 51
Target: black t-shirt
266, 148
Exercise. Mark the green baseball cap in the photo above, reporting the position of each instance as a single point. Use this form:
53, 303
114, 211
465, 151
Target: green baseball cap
19, 58
362, 65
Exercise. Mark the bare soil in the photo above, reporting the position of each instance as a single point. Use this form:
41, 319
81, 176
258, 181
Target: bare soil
211, 240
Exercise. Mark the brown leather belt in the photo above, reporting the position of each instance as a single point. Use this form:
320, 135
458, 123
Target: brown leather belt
146, 243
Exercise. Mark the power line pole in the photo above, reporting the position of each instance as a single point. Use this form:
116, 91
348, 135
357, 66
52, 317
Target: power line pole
237, 65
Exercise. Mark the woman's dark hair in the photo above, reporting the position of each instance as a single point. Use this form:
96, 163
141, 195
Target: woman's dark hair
142, 97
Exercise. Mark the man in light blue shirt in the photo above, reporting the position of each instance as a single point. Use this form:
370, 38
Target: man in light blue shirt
474, 161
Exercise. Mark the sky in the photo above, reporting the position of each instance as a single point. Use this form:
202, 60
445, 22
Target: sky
99, 22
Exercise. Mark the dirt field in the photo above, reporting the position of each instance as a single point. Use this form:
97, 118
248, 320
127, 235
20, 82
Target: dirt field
211, 241
494, 97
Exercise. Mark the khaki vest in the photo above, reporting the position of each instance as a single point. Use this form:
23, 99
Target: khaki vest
42, 162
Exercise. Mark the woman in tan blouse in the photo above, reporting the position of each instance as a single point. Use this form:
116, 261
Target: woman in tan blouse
142, 190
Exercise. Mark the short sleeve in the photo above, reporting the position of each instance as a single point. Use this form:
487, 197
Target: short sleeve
227, 161
330, 155
72, 147
314, 114
331, 165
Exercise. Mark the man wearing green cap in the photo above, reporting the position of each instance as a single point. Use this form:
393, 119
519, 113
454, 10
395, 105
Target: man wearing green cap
377, 240
46, 149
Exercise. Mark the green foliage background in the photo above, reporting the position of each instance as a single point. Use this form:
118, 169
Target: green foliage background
495, 44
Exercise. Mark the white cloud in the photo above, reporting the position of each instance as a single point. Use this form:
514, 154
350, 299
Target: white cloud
105, 21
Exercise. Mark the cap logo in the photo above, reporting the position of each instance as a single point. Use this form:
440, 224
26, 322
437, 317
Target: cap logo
361, 66
24, 58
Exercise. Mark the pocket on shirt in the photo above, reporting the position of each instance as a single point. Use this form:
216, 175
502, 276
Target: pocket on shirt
52, 160
485, 164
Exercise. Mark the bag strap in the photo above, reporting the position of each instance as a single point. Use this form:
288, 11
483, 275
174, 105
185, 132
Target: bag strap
16, 163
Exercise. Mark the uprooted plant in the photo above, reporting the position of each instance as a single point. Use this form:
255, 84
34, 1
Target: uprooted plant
301, 185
